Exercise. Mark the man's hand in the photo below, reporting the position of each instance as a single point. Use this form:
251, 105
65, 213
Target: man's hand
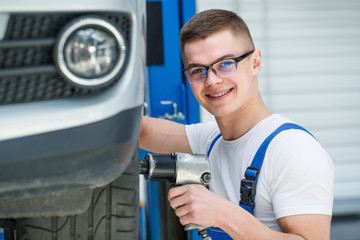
193, 203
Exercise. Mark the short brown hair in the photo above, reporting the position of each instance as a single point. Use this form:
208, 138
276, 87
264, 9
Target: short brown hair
211, 21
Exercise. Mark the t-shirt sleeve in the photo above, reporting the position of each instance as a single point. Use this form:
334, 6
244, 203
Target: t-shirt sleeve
199, 135
303, 180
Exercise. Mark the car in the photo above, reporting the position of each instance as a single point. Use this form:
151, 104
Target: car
72, 79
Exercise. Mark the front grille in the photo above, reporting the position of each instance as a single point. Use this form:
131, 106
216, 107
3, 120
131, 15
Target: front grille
27, 50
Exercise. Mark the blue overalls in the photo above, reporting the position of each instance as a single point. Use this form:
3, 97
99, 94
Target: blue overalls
248, 184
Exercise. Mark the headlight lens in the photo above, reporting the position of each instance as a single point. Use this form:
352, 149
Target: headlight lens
90, 52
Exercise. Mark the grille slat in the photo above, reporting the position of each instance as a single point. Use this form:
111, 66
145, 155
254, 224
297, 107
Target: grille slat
27, 70
44, 69
27, 43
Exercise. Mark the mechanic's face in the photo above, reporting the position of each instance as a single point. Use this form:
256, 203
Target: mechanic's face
223, 96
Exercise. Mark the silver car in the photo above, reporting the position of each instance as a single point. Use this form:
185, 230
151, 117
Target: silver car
71, 96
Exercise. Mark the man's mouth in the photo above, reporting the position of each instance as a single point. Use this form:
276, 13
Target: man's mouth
219, 94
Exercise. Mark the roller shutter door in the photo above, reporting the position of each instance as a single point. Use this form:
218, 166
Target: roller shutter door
311, 74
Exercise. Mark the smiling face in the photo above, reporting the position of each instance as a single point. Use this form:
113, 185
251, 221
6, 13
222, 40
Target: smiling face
231, 94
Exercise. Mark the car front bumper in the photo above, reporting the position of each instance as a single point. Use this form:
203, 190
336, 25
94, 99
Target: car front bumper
54, 173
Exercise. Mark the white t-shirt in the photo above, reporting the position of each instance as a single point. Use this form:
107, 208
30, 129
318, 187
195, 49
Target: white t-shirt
297, 175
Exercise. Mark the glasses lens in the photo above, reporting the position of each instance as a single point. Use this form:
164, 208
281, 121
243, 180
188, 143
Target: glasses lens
225, 67
196, 74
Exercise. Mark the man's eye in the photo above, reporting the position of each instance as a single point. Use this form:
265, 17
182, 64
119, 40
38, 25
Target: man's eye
226, 65
196, 71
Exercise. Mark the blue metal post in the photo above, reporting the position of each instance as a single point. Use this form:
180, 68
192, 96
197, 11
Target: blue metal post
188, 9
166, 84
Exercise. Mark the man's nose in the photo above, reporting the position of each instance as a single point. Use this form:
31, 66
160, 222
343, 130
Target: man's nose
212, 78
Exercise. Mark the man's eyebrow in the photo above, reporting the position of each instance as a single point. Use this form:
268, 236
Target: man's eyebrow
216, 60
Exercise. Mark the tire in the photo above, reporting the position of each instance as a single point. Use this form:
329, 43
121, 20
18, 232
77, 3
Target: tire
113, 214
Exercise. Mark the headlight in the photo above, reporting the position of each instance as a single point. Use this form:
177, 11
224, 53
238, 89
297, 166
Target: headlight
90, 52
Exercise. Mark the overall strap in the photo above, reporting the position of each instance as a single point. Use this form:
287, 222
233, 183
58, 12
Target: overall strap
248, 185
213, 143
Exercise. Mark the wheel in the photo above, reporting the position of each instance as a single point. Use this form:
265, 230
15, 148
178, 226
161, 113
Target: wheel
113, 214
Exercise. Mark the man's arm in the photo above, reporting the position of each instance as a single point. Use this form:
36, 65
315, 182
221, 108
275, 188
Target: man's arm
309, 226
195, 204
163, 136
296, 227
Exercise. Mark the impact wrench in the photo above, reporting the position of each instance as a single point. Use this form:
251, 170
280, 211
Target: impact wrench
178, 169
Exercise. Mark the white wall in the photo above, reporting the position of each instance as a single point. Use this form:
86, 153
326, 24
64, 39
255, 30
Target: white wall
311, 74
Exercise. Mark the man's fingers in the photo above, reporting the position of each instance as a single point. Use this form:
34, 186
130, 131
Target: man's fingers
186, 214
182, 211
177, 202
182, 195
186, 190
175, 192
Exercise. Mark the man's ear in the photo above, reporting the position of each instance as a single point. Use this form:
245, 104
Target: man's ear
256, 61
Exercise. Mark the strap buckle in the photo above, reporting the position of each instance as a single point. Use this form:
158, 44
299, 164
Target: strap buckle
252, 173
248, 192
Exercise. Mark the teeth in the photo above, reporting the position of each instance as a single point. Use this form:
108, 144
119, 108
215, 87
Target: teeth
219, 94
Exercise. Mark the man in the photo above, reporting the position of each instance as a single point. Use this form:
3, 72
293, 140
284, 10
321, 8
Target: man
295, 186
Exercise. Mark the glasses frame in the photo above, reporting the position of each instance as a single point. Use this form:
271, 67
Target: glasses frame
235, 59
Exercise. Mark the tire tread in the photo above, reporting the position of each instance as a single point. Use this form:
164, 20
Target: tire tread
113, 214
